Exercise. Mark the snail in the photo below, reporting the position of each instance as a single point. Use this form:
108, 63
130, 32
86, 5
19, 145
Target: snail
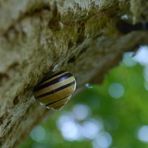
54, 91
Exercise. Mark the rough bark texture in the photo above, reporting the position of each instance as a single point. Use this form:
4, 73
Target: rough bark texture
37, 36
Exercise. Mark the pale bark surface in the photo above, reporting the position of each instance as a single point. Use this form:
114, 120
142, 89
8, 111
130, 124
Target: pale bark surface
37, 36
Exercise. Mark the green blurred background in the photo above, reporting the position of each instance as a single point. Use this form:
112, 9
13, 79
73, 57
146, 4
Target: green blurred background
112, 115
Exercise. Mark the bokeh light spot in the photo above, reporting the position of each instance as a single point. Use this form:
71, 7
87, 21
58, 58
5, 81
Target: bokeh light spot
146, 85
38, 134
142, 55
69, 128
143, 133
146, 73
91, 128
81, 111
116, 90
88, 85
70, 131
128, 60
103, 140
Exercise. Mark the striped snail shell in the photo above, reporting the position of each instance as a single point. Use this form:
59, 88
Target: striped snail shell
55, 91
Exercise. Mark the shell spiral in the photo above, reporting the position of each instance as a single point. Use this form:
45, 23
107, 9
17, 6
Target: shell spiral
56, 90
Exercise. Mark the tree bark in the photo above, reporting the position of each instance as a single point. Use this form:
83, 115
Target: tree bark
40, 36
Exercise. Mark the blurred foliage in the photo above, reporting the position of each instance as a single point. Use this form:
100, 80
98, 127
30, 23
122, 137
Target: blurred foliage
121, 115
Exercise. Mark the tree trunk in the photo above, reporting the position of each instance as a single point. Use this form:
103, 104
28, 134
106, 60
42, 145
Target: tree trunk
85, 37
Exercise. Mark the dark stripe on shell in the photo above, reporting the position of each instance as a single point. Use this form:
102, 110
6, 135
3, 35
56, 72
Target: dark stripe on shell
56, 80
56, 90
49, 76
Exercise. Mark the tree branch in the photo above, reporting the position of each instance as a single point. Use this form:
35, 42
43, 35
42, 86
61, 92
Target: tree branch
40, 36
